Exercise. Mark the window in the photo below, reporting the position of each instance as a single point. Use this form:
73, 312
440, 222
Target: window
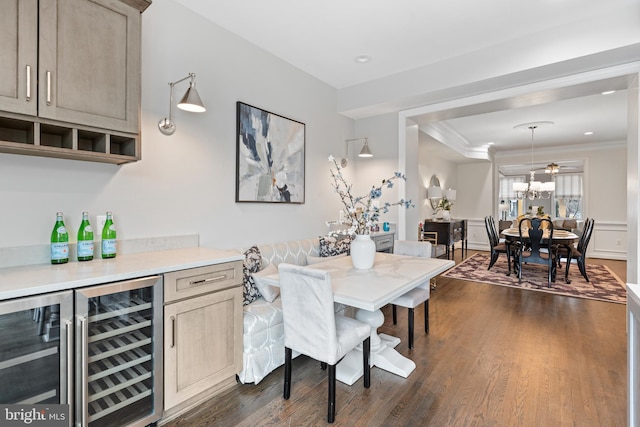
508, 196
568, 196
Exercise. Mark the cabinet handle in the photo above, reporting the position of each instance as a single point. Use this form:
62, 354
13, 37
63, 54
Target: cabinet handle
84, 371
48, 87
173, 332
209, 280
69, 329
28, 82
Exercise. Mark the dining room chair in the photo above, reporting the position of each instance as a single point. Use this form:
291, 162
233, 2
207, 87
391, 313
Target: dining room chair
312, 328
536, 246
579, 252
417, 295
495, 245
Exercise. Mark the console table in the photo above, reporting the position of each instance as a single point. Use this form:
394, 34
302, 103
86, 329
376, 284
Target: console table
441, 232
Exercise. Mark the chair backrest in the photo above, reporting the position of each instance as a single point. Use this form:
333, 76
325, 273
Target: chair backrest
490, 226
308, 313
535, 235
583, 243
412, 248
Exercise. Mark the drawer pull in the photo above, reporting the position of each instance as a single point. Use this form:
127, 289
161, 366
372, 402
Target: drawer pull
209, 280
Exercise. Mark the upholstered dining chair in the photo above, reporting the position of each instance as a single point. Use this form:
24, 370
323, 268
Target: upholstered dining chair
536, 250
312, 328
495, 245
579, 252
417, 295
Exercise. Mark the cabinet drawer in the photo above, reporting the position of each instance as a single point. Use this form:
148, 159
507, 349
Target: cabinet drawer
202, 280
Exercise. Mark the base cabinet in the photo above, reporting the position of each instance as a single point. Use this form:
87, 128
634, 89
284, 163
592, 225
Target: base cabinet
203, 332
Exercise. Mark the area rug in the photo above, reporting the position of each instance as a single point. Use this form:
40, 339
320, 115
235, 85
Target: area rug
603, 284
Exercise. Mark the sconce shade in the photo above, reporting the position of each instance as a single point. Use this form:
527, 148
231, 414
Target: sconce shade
191, 100
365, 152
434, 192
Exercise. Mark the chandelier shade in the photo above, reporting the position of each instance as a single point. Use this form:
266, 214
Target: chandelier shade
535, 189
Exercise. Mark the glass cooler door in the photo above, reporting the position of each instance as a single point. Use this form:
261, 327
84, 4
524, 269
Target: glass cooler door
36, 343
119, 345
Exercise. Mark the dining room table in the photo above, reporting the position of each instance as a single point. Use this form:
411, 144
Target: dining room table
560, 237
368, 291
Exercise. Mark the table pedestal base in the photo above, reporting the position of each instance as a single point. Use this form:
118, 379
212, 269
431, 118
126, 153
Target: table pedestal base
383, 354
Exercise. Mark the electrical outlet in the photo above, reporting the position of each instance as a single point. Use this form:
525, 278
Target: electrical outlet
100, 220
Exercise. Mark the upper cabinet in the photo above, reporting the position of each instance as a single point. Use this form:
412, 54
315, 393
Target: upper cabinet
19, 56
89, 63
75, 65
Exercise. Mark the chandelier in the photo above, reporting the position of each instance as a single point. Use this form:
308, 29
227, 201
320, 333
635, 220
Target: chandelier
533, 189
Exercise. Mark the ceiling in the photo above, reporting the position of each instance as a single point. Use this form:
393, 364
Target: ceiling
325, 38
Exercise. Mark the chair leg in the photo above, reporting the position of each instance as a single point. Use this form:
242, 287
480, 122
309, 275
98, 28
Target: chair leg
395, 314
426, 317
494, 258
411, 328
287, 373
331, 409
366, 351
583, 268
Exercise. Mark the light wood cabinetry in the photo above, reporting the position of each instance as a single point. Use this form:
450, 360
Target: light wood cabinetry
19, 56
203, 333
73, 86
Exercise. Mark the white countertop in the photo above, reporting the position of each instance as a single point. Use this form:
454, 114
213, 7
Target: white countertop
44, 278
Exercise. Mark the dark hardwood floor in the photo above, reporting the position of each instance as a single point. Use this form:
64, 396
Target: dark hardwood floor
495, 356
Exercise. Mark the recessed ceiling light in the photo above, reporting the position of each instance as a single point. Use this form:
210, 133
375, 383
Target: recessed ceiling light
608, 92
490, 143
589, 132
363, 58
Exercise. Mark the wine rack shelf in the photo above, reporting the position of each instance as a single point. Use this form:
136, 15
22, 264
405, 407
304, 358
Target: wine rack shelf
120, 359
38, 137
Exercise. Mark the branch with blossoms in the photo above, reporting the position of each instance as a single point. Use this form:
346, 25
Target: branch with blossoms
361, 212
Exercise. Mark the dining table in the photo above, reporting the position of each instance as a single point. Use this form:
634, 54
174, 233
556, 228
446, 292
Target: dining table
368, 291
560, 237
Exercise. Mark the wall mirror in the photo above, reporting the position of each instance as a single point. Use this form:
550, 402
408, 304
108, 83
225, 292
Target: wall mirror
434, 193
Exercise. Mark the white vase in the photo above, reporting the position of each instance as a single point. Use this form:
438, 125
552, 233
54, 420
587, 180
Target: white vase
363, 252
446, 215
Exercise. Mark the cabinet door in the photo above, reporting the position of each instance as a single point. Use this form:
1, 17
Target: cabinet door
89, 62
36, 345
18, 56
203, 343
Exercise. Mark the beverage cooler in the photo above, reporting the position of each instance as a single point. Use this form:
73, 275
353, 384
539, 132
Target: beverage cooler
110, 346
36, 350
119, 353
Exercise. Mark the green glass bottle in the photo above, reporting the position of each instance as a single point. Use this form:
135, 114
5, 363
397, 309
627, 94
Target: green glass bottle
59, 242
109, 238
85, 239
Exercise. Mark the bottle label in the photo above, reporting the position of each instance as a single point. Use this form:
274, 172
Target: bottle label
109, 246
59, 251
112, 227
85, 248
61, 230
88, 229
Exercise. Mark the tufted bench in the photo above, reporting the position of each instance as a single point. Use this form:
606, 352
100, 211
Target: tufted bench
263, 329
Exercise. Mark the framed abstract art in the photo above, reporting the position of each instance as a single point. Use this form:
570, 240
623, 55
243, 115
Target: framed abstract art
269, 157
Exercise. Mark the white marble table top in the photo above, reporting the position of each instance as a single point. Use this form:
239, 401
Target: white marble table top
390, 277
44, 278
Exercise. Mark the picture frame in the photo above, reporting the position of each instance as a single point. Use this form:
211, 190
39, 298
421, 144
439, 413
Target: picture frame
270, 157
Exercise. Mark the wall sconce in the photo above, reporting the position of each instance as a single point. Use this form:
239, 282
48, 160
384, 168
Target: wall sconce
190, 102
364, 152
